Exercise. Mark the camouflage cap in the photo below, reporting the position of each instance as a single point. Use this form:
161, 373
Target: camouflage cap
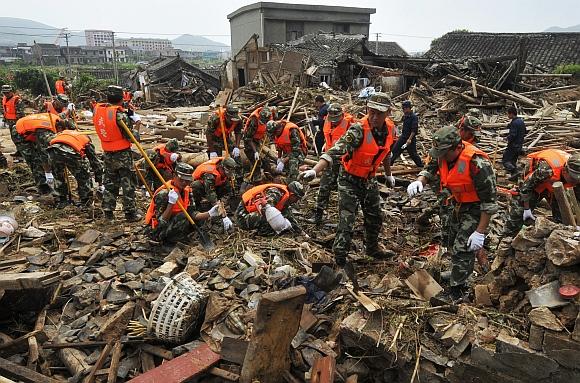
471, 123
6, 88
573, 166
379, 101
444, 139
474, 112
184, 171
335, 112
296, 188
265, 114
62, 98
229, 163
233, 112
172, 145
271, 126
115, 90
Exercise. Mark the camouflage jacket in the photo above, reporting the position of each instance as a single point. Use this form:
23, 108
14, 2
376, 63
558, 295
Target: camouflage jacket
543, 172
351, 140
296, 144
91, 156
483, 180
208, 181
251, 129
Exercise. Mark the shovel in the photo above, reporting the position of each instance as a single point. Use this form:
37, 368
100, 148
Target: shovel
206, 242
247, 183
351, 274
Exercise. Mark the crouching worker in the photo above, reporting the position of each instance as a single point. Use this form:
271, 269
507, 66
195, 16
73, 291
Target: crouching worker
266, 208
167, 223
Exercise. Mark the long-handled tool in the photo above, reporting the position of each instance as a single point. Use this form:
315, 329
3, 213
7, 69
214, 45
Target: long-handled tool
312, 134
143, 181
204, 238
223, 128
248, 181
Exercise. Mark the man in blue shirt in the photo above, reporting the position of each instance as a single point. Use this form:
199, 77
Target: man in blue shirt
408, 139
515, 143
322, 107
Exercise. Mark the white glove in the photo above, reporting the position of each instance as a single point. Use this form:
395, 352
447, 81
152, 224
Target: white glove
173, 157
528, 215
101, 189
212, 155
404, 146
280, 166
173, 197
256, 156
414, 188
235, 152
135, 117
227, 223
475, 241
49, 178
71, 106
214, 211
308, 175
391, 181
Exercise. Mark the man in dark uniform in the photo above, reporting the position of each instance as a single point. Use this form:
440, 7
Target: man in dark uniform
408, 139
515, 143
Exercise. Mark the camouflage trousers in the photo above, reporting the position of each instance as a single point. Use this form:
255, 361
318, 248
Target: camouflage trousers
515, 214
328, 183
352, 192
293, 167
152, 179
253, 221
119, 174
30, 152
177, 229
64, 163
462, 222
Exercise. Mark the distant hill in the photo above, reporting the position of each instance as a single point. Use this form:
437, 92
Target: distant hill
27, 31
197, 44
573, 28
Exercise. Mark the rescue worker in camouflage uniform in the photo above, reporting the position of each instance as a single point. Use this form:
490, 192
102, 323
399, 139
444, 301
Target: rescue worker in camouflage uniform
118, 157
167, 223
291, 145
72, 151
250, 215
336, 124
545, 167
164, 157
468, 174
470, 129
364, 147
12, 110
254, 135
35, 132
59, 107
228, 120
211, 179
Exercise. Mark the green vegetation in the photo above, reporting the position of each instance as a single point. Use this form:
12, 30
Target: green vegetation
568, 68
84, 82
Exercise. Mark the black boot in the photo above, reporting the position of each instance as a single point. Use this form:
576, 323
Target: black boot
44, 189
3, 161
317, 218
133, 217
377, 252
109, 215
62, 203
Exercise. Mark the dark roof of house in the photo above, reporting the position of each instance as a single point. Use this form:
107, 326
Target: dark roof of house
300, 7
545, 49
324, 48
386, 48
163, 68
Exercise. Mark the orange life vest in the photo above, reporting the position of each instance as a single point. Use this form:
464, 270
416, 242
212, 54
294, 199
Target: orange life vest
261, 130
127, 96
557, 160
105, 121
59, 87
9, 107
211, 167
151, 219
50, 108
331, 135
28, 125
366, 159
74, 139
221, 112
283, 141
458, 180
249, 197
165, 158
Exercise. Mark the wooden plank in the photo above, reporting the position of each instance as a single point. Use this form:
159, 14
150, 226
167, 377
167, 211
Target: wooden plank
115, 358
147, 361
229, 376
33, 347
564, 205
234, 350
21, 344
574, 204
157, 351
182, 368
367, 302
99, 363
20, 373
277, 321
22, 281
323, 370
474, 88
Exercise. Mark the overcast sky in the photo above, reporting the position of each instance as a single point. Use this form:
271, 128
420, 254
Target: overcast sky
396, 20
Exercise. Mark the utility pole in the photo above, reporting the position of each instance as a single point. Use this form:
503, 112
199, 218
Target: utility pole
66, 35
115, 60
377, 43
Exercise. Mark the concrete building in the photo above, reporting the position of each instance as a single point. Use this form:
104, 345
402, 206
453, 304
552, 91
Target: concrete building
279, 22
141, 44
99, 38
49, 53
122, 54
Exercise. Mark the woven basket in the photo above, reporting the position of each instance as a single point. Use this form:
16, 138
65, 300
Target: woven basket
178, 310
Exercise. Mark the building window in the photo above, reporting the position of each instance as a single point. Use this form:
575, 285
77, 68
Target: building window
342, 28
294, 30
